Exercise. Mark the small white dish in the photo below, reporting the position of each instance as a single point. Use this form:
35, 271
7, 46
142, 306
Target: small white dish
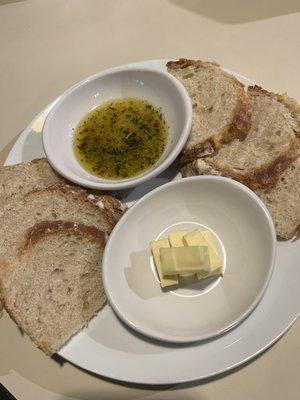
158, 87
246, 240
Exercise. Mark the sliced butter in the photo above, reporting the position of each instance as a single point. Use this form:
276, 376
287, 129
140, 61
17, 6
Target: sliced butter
155, 247
205, 238
184, 259
176, 238
194, 238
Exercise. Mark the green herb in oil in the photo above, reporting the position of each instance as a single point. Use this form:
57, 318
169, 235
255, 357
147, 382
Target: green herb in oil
121, 138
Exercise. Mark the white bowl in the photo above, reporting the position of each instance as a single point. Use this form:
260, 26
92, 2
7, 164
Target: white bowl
159, 88
246, 241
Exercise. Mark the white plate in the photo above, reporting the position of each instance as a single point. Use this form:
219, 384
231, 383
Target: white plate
198, 310
109, 348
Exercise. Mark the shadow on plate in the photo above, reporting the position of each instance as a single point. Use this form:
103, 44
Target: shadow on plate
130, 196
166, 387
140, 278
32, 145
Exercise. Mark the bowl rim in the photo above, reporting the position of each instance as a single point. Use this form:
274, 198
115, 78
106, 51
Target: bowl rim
134, 181
258, 297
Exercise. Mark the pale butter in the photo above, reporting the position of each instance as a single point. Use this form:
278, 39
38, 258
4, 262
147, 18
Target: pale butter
176, 240
155, 247
205, 238
185, 259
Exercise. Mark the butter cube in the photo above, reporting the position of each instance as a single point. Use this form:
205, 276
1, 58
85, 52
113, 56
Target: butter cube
176, 238
205, 238
155, 247
194, 238
185, 259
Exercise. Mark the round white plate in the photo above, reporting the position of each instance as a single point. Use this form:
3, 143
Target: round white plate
107, 347
196, 310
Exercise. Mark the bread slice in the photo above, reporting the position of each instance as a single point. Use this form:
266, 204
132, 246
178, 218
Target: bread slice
58, 202
109, 205
270, 146
221, 108
19, 179
282, 200
52, 286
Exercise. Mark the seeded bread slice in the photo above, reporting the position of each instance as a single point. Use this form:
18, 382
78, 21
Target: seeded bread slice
271, 145
282, 200
58, 202
221, 108
19, 179
52, 286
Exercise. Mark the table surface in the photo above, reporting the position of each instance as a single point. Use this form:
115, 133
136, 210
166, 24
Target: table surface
45, 47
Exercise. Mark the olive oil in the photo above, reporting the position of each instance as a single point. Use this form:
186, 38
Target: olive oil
121, 138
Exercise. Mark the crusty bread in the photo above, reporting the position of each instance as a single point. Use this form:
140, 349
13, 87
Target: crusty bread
221, 108
282, 200
56, 202
270, 146
19, 179
52, 285
200, 167
110, 206
33, 191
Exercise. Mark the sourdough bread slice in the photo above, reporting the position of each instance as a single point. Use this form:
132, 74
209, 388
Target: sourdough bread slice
19, 179
221, 108
282, 200
110, 206
58, 202
270, 146
52, 285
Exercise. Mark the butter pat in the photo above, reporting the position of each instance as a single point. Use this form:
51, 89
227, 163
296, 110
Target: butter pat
205, 238
185, 259
155, 247
194, 238
176, 238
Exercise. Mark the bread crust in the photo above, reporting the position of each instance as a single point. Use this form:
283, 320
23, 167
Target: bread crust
46, 228
35, 161
240, 121
264, 177
294, 108
202, 167
5, 196
3, 267
290, 103
184, 63
110, 207
267, 176
29, 238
